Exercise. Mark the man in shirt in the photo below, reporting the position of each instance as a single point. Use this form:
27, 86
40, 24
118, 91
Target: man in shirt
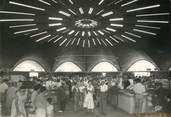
139, 90
103, 93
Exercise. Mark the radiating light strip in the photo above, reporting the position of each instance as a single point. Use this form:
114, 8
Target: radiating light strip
68, 43
17, 13
27, 6
152, 21
81, 10
104, 42
128, 3
78, 41
117, 25
133, 34
24, 31
111, 29
43, 38
144, 26
116, 19
100, 12
64, 13
99, 31
118, 1
155, 14
89, 43
71, 1
119, 38
98, 41
77, 33
89, 33
65, 31
55, 18
94, 41
71, 32
106, 31
16, 20
114, 39
101, 2
55, 1
143, 8
90, 11
26, 25
61, 29
53, 38
83, 33
63, 42
72, 11
83, 43
55, 24
146, 32
73, 41
95, 33
107, 14
128, 38
58, 39
109, 42
39, 34
42, 1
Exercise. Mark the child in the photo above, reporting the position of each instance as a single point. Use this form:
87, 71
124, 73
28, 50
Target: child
50, 108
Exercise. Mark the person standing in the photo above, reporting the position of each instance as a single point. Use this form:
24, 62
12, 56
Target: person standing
103, 95
88, 100
139, 90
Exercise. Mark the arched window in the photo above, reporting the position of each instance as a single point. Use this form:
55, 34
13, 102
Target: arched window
29, 65
68, 67
104, 67
142, 68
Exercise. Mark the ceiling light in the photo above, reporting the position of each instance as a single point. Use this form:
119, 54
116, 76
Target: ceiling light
25, 5
61, 29
155, 14
101, 2
152, 21
64, 13
78, 41
90, 11
98, 41
83, 33
16, 20
17, 13
133, 34
116, 19
63, 42
104, 42
71, 32
110, 29
118, 1
55, 18
128, 38
144, 26
117, 25
89, 33
143, 8
83, 43
107, 14
100, 12
109, 42
39, 34
25, 25
42, 1
81, 10
71, 1
24, 31
128, 3
146, 32
53, 38
114, 39
100, 32
89, 43
72, 11
43, 38
73, 41
55, 24
58, 39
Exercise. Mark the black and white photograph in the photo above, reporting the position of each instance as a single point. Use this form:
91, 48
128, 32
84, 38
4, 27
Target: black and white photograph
85, 58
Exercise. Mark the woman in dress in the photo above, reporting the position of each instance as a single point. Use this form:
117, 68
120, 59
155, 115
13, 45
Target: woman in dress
18, 104
88, 100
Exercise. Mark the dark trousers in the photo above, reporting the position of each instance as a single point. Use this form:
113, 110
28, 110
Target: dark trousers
102, 102
62, 105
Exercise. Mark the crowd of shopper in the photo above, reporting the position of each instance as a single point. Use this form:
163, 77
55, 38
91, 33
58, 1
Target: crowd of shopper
46, 96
